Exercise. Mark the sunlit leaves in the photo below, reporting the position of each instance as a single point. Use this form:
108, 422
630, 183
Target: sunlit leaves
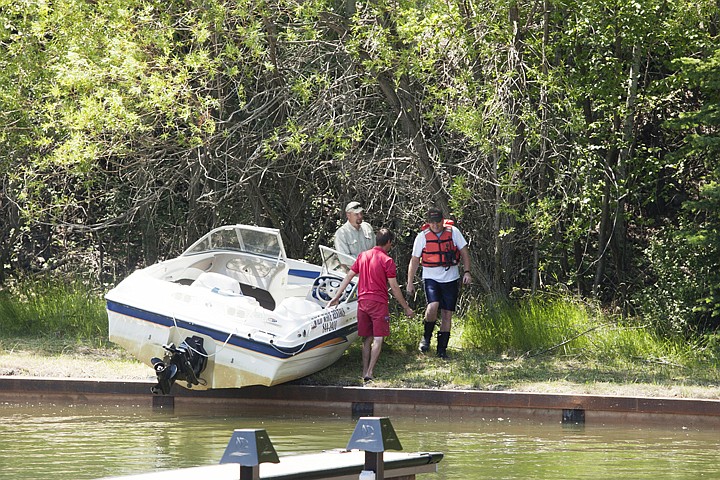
460, 196
198, 112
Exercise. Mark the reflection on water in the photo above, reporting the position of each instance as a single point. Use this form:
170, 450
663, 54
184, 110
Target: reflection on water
85, 442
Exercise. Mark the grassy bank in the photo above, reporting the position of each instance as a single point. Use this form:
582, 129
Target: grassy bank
548, 344
53, 308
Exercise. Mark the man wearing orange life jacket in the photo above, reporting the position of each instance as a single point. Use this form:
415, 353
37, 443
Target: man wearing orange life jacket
439, 247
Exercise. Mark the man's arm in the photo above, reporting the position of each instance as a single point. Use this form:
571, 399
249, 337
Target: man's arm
465, 257
341, 288
369, 234
412, 270
395, 289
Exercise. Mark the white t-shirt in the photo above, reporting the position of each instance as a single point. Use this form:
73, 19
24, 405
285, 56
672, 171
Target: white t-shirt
439, 274
352, 241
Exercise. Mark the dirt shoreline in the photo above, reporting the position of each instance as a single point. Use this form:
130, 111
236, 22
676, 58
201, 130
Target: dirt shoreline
88, 366
114, 365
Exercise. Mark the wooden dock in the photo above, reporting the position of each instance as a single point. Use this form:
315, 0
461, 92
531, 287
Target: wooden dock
330, 465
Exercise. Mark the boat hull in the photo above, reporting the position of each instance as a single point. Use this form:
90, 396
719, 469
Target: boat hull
233, 361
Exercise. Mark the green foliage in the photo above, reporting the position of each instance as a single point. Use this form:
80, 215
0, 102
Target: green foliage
460, 196
704, 238
405, 332
124, 122
627, 343
684, 292
669, 299
589, 349
500, 325
52, 307
563, 327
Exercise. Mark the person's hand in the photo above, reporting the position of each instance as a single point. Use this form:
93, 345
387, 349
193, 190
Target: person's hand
409, 312
467, 278
410, 288
333, 302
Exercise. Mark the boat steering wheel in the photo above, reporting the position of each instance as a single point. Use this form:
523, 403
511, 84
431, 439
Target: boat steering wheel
325, 288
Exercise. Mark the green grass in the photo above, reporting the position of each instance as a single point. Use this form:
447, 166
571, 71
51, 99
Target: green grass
52, 308
543, 341
474, 369
503, 345
530, 326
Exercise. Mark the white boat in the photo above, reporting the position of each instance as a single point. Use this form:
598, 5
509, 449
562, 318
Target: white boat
233, 311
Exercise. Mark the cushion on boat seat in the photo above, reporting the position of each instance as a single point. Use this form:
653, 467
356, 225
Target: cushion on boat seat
223, 283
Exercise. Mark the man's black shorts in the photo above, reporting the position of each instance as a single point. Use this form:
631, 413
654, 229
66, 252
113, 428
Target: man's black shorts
445, 293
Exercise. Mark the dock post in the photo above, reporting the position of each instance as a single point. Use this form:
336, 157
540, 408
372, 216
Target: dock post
249, 448
374, 435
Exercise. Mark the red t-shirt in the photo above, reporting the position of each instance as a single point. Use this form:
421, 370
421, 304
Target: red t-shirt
374, 267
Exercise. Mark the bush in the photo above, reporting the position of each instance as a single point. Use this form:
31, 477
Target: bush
682, 275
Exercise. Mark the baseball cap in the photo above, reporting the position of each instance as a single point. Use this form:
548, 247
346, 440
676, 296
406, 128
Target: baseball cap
353, 207
434, 215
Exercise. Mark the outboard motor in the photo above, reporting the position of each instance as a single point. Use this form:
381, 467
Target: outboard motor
185, 362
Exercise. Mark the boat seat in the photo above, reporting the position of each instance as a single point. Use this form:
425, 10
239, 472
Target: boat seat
187, 276
296, 307
222, 283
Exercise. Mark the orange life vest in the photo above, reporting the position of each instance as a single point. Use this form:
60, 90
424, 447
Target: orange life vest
439, 251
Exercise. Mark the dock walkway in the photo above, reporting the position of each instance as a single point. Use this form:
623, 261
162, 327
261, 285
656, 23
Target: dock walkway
331, 465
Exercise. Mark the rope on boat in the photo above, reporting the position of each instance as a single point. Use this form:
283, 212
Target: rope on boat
302, 347
207, 355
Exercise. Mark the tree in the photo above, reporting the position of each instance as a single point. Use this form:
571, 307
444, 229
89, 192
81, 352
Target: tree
686, 270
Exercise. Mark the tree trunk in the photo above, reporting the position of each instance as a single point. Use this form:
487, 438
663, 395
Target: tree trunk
544, 140
9, 229
620, 250
402, 104
497, 275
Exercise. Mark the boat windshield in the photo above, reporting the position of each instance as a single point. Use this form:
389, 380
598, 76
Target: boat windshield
335, 262
239, 238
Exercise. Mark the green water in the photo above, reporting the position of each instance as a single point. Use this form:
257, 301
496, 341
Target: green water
85, 442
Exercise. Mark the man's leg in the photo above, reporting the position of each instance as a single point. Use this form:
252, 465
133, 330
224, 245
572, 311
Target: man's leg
446, 320
367, 346
444, 333
431, 313
374, 352
448, 300
373, 338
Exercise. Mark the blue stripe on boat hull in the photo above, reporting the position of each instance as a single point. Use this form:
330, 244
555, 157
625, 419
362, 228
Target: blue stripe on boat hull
222, 337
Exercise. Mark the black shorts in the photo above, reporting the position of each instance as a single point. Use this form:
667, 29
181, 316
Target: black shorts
445, 293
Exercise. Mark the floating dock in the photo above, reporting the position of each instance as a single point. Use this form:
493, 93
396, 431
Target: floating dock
331, 465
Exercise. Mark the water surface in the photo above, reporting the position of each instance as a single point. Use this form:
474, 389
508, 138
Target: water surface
86, 442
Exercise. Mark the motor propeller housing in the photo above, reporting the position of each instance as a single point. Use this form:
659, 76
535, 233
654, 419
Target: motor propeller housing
185, 362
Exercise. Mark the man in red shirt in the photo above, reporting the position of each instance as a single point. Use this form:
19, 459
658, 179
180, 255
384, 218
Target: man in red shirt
376, 269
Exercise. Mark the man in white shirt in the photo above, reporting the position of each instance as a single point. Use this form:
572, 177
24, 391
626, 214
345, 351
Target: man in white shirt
355, 235
439, 247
